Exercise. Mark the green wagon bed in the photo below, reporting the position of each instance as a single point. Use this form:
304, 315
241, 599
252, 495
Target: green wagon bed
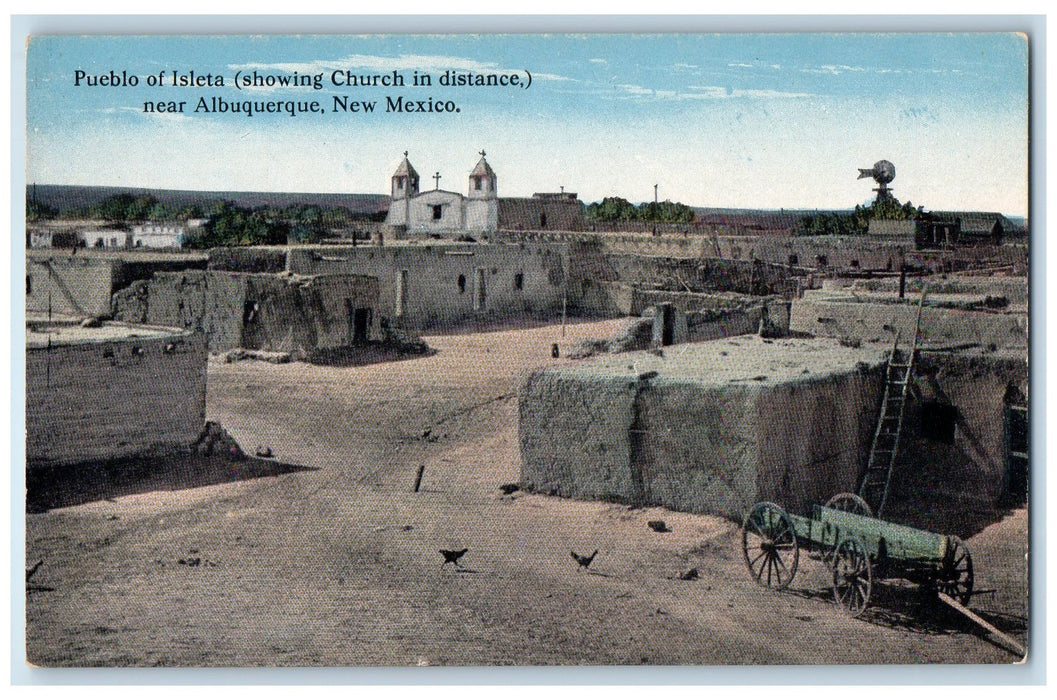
857, 547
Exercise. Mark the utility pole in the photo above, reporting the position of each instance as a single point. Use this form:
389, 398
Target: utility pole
655, 210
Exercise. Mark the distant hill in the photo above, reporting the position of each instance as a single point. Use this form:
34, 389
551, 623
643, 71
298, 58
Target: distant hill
67, 198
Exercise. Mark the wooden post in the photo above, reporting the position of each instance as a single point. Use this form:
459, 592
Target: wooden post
1011, 644
418, 477
563, 316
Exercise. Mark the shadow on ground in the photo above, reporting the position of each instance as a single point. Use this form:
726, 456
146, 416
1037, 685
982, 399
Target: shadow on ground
521, 322
899, 605
947, 504
354, 356
59, 487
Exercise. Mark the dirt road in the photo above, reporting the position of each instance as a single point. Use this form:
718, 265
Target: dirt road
338, 564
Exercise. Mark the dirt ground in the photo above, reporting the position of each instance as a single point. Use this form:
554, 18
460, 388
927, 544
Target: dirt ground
335, 562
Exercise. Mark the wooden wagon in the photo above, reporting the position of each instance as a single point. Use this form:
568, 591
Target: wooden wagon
858, 548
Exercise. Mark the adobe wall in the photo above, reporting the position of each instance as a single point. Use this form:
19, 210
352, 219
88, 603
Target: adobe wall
71, 286
303, 316
707, 428
433, 297
866, 253
1015, 289
666, 244
537, 213
279, 313
979, 385
248, 259
82, 284
106, 398
839, 315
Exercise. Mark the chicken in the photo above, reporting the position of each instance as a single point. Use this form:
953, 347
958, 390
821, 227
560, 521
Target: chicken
584, 562
452, 556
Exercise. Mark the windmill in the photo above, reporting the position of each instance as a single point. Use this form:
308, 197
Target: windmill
882, 172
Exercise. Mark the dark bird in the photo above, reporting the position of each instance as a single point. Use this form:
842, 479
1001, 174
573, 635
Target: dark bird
452, 556
554, 351
689, 575
32, 570
659, 526
508, 489
584, 562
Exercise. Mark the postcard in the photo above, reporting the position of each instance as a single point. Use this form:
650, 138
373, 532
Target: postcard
407, 350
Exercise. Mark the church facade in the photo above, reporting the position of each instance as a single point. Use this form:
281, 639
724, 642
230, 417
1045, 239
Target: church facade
440, 211
443, 213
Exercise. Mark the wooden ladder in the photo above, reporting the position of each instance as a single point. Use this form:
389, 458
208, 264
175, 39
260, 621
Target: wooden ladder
873, 488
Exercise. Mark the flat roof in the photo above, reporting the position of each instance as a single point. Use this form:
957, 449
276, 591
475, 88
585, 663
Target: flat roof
744, 358
130, 256
41, 332
962, 301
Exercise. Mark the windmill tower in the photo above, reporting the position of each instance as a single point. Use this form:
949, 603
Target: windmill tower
882, 172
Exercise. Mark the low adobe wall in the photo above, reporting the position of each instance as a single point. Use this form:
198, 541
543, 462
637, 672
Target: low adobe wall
112, 392
707, 428
1014, 289
840, 315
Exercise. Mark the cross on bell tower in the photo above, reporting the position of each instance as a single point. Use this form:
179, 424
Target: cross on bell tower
404, 180
482, 180
436, 180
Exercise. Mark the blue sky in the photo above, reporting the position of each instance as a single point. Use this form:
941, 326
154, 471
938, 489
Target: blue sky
740, 120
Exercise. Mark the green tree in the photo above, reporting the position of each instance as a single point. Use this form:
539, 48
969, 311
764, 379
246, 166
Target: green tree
38, 211
612, 209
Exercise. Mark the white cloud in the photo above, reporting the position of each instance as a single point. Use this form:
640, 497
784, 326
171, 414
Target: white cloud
710, 92
551, 76
743, 64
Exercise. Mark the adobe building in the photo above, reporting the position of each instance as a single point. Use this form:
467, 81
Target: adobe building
272, 312
430, 285
82, 284
111, 391
704, 427
966, 425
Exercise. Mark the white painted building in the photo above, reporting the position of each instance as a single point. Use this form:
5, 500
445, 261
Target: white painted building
105, 238
442, 211
164, 235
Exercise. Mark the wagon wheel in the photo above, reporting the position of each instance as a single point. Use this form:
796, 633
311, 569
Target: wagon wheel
956, 576
850, 503
852, 576
769, 543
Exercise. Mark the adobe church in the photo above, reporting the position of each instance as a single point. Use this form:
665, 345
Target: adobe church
439, 213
